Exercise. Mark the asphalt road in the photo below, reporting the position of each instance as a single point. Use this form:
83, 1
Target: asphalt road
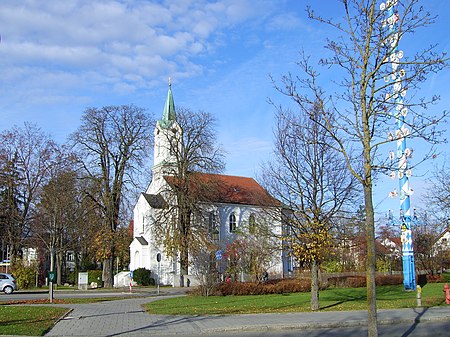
424, 329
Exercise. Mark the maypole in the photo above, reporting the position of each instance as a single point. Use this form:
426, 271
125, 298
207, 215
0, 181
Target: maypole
403, 153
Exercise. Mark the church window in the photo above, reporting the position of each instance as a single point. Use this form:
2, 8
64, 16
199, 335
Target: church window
211, 222
70, 256
212, 226
232, 221
252, 224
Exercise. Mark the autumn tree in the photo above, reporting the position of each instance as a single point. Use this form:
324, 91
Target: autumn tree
190, 141
370, 96
64, 216
309, 177
113, 143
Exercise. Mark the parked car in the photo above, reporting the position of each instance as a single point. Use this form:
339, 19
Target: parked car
7, 283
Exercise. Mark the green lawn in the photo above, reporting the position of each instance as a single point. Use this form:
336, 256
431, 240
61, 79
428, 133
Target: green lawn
36, 320
339, 299
28, 320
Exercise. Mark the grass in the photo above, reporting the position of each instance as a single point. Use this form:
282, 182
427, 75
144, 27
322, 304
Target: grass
37, 320
28, 320
339, 299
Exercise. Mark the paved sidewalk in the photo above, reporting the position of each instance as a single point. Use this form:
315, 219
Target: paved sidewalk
127, 318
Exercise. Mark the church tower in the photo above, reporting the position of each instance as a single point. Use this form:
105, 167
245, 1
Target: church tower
166, 133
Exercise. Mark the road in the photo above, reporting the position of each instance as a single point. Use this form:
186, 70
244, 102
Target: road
424, 329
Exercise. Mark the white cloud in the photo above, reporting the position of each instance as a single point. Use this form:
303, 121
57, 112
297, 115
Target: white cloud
138, 37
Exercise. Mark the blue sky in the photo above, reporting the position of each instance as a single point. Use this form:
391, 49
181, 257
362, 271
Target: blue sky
59, 57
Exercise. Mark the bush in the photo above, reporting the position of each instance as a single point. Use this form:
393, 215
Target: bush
143, 277
355, 281
388, 280
25, 275
436, 278
71, 278
95, 276
277, 286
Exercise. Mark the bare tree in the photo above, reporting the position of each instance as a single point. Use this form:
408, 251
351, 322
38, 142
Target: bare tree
438, 193
364, 56
310, 178
191, 142
26, 156
113, 143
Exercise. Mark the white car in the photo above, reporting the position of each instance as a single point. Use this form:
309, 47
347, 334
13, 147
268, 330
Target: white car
7, 283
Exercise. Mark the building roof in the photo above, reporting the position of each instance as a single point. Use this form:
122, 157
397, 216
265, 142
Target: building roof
169, 110
218, 188
141, 240
155, 200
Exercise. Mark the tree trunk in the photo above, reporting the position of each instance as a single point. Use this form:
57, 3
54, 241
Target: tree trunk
315, 286
184, 263
107, 274
59, 263
372, 327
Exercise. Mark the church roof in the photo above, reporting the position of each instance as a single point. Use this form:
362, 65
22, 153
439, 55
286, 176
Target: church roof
169, 110
155, 200
142, 240
219, 188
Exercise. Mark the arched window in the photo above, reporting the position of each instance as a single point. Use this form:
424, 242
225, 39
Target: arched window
232, 221
252, 224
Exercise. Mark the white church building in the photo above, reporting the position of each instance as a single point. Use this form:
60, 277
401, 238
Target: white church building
240, 204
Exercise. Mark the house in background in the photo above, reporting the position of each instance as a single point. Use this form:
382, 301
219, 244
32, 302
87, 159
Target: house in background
235, 206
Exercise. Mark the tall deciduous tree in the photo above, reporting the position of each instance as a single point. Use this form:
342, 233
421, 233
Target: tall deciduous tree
113, 142
191, 142
26, 156
438, 194
310, 178
364, 55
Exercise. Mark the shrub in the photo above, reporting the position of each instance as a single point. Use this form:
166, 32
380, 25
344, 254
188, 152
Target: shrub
278, 286
357, 281
143, 277
388, 280
95, 276
338, 281
436, 278
25, 275
71, 277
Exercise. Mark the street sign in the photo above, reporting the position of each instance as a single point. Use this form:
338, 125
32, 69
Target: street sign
219, 255
51, 276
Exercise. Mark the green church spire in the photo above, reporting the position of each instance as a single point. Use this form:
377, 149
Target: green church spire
169, 110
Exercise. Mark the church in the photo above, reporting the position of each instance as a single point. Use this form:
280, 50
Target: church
237, 209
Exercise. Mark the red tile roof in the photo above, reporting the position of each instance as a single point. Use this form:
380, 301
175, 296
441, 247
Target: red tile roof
228, 189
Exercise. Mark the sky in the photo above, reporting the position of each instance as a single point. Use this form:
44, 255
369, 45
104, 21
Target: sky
58, 58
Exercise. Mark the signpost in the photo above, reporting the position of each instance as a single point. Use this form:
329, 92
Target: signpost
219, 255
51, 279
158, 259
131, 280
